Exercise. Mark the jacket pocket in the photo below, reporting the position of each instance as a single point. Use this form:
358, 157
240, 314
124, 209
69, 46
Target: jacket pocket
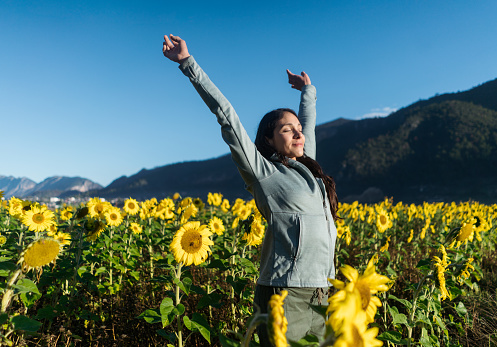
287, 234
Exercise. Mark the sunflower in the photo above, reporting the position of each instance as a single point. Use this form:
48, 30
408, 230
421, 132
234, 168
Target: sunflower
465, 272
190, 211
386, 245
113, 217
3, 239
225, 205
199, 204
38, 218
66, 213
216, 225
366, 284
131, 206
410, 236
15, 207
191, 243
94, 227
63, 238
214, 199
136, 228
148, 209
40, 253
356, 333
441, 281
176, 196
383, 221
277, 323
466, 233
97, 207
442, 265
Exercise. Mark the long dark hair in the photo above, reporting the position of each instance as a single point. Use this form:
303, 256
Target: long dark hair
266, 131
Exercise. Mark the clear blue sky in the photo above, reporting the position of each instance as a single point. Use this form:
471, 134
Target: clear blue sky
85, 90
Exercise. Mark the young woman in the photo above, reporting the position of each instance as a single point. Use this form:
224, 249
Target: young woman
292, 193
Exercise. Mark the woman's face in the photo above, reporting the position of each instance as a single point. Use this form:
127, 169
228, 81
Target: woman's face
287, 136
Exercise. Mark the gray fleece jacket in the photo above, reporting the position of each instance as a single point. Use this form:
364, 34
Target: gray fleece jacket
299, 245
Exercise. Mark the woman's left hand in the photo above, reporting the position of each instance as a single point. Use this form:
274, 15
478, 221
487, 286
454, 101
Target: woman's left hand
298, 81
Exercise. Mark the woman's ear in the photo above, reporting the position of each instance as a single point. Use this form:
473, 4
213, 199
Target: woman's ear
269, 141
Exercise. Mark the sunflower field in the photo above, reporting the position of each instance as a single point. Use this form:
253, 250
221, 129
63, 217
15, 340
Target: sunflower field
182, 272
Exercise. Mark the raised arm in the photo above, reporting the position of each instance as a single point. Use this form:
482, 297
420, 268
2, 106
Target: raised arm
307, 110
251, 164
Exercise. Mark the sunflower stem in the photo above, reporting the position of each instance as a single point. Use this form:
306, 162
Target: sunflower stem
177, 302
78, 258
9, 292
414, 303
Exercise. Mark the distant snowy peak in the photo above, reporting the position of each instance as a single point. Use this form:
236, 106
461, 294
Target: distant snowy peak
52, 186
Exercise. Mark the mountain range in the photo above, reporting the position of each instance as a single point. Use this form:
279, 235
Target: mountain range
50, 187
440, 149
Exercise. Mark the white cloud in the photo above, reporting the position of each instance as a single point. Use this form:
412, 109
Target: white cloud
379, 112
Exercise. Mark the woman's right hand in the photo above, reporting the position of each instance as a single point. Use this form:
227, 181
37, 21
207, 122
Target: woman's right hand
174, 48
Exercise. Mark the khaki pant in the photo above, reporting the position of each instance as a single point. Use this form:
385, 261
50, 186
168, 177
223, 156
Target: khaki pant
302, 320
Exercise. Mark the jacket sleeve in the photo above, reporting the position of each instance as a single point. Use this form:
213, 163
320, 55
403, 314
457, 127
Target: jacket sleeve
307, 117
251, 164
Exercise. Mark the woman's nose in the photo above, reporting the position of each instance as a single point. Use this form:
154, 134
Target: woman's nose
297, 134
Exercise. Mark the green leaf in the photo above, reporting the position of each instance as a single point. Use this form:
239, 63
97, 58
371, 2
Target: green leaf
424, 265
151, 316
47, 312
398, 318
82, 270
169, 336
213, 299
179, 310
187, 322
184, 285
225, 342
404, 302
100, 270
135, 275
200, 324
26, 286
309, 340
249, 266
30, 298
166, 307
425, 340
217, 264
25, 324
7, 265
421, 317
461, 309
392, 336
3, 318
237, 284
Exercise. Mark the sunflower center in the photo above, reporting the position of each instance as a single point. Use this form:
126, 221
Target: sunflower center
191, 241
365, 294
38, 218
99, 208
113, 216
383, 219
131, 205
